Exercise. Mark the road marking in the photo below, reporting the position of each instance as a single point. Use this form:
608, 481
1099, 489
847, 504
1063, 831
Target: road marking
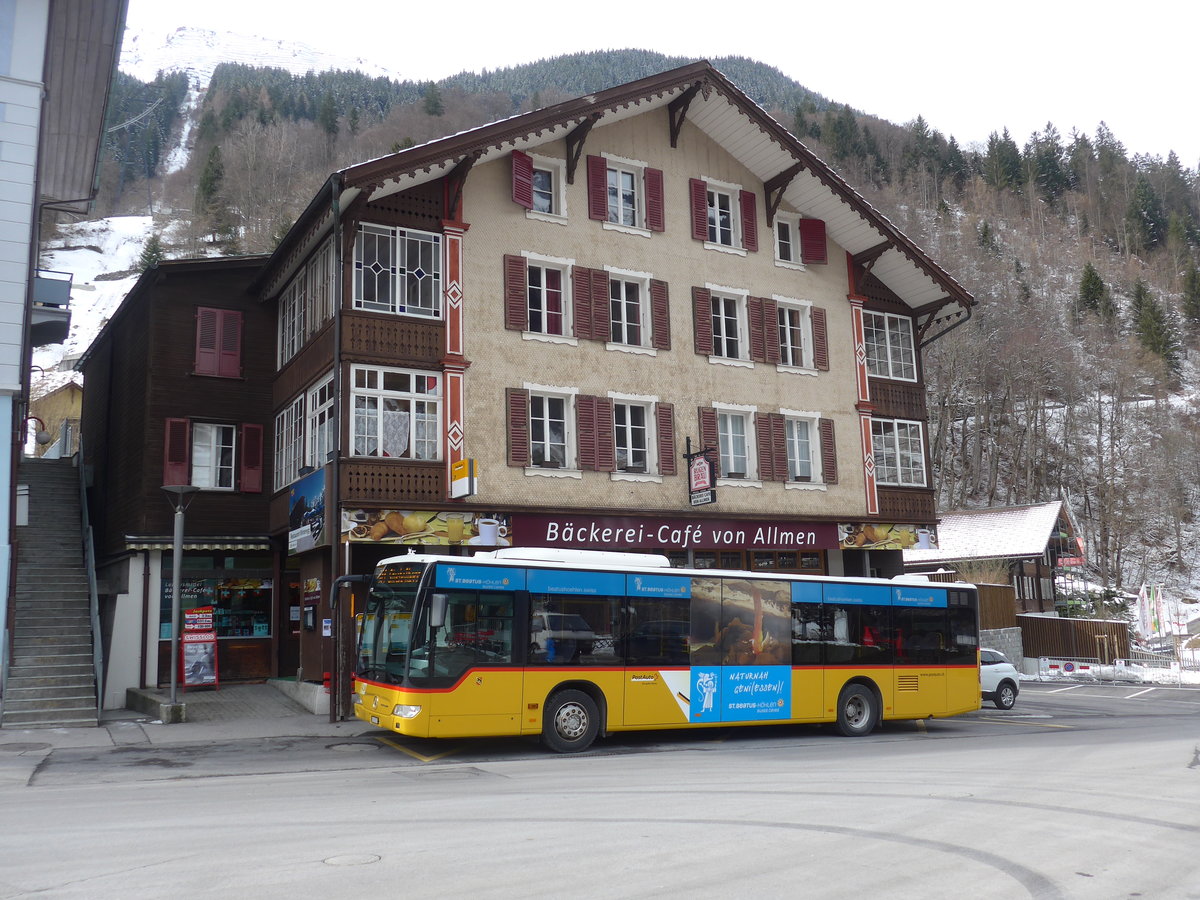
413, 753
1139, 693
1026, 724
1069, 687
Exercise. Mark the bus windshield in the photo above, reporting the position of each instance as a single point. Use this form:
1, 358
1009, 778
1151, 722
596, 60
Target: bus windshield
386, 632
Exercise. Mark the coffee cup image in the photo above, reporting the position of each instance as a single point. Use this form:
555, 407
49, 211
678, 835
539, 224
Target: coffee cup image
491, 531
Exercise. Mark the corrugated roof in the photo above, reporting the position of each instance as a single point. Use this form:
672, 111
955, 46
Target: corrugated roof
1012, 532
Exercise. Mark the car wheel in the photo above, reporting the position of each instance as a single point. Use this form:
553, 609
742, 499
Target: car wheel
1005, 696
858, 711
571, 722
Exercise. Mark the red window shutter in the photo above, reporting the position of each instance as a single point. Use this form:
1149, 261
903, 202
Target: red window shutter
770, 323
606, 443
518, 426
812, 241
699, 204
229, 354
829, 470
664, 420
709, 439
749, 205
176, 451
585, 430
779, 446
597, 185
758, 345
655, 206
702, 314
252, 459
660, 315
581, 301
522, 179
820, 339
207, 338
601, 314
762, 440
516, 299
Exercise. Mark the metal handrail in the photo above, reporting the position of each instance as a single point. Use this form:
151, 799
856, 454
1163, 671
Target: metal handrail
89, 555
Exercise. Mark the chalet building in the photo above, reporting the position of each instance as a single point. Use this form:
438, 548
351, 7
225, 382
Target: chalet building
513, 336
178, 391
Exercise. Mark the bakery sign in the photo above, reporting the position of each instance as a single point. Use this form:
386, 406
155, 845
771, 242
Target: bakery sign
638, 533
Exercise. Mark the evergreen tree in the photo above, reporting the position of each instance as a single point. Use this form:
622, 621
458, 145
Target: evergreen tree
1138, 302
152, 253
353, 121
841, 133
1191, 298
1144, 218
433, 100
1156, 333
1002, 166
1091, 291
209, 186
327, 116
1047, 164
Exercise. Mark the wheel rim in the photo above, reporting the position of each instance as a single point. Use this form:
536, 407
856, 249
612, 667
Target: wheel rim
1006, 696
856, 711
571, 721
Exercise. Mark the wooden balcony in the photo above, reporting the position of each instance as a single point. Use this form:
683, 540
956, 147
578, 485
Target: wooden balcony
392, 482
393, 340
907, 505
897, 399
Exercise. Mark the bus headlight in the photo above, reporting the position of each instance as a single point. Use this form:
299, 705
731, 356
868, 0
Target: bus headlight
406, 712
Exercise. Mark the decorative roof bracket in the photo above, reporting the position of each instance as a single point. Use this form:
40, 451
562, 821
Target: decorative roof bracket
867, 258
678, 110
575, 141
456, 180
775, 186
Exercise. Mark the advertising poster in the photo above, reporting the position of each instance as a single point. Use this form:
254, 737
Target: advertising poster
198, 659
741, 694
306, 513
423, 526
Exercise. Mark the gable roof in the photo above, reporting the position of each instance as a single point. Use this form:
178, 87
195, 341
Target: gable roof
696, 93
1014, 532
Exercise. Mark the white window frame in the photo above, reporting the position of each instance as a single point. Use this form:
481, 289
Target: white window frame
570, 465
306, 304
786, 306
563, 267
790, 221
289, 443
645, 322
395, 275
792, 418
895, 456
291, 321
210, 471
886, 358
727, 413
318, 275
648, 405
367, 383
636, 169
320, 432
712, 190
739, 299
557, 168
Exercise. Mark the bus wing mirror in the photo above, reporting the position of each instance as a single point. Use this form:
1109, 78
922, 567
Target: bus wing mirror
437, 610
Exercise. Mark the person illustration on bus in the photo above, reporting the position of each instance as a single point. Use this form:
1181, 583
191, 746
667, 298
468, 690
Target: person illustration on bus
706, 684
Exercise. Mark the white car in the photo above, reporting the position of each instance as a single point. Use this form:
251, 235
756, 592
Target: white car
998, 679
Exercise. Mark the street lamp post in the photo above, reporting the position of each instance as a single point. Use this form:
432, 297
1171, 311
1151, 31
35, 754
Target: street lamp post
179, 495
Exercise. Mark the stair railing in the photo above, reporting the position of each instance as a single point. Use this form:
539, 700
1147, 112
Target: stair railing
89, 556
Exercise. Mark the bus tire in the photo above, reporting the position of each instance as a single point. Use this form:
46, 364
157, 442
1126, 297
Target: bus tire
857, 710
571, 722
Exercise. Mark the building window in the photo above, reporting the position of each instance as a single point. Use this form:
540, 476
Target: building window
289, 443
545, 191
721, 228
213, 456
625, 193
632, 436
889, 345
218, 342
899, 452
628, 308
734, 437
398, 270
802, 462
724, 216
787, 240
547, 307
795, 335
397, 413
320, 431
537, 185
318, 278
729, 326
548, 431
624, 207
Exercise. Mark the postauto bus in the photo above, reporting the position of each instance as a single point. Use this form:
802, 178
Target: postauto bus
570, 645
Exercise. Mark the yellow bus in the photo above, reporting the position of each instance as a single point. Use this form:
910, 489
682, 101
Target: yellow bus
570, 645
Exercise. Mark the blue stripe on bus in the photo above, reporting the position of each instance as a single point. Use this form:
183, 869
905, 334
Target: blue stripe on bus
658, 586
859, 594
484, 578
556, 581
932, 598
806, 592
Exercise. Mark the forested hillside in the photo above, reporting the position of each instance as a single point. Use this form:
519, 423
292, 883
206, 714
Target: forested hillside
1072, 378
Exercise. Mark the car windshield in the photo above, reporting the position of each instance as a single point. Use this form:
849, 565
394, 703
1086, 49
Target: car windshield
386, 626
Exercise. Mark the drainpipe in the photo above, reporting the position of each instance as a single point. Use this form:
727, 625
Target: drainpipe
333, 513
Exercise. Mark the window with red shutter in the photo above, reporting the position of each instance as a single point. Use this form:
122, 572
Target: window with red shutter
218, 342
606, 451
770, 326
655, 204
702, 320
177, 451
664, 420
749, 209
252, 458
758, 340
517, 401
586, 430
813, 247
581, 301
660, 315
229, 358
698, 194
597, 186
522, 179
515, 296
829, 471
820, 339
762, 440
708, 435
601, 315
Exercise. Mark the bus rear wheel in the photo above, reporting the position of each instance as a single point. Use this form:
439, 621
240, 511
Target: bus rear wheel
571, 722
857, 710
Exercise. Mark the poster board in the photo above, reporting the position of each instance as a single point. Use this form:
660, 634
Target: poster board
198, 659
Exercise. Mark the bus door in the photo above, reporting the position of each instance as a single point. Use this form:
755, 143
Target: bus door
656, 645
921, 638
811, 628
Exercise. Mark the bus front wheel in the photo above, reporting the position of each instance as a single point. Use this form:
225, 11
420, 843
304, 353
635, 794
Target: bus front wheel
857, 711
571, 722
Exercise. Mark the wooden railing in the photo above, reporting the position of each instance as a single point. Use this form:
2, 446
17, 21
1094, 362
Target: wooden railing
399, 482
397, 339
903, 401
906, 505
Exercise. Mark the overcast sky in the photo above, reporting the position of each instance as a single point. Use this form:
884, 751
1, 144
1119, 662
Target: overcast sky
968, 68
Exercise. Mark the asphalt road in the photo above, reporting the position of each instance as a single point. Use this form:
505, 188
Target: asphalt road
1079, 791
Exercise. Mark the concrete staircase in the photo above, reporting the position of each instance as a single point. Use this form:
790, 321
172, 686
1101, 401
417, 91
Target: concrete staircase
51, 676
